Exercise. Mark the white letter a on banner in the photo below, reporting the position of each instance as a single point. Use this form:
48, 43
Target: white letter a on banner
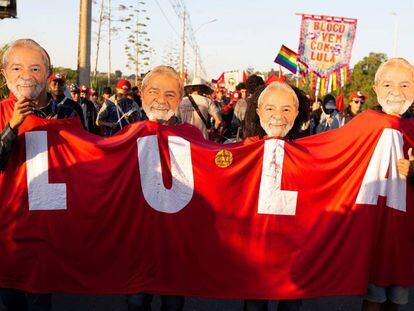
388, 151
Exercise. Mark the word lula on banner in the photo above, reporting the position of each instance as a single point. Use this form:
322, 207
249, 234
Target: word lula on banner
326, 43
325, 47
145, 211
272, 200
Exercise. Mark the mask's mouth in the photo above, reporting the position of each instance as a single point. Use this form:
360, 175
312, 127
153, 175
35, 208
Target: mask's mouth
26, 89
276, 128
158, 112
277, 124
395, 106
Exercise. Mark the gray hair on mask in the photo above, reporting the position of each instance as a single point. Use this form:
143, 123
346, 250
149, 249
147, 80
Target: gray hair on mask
399, 61
278, 86
26, 43
167, 70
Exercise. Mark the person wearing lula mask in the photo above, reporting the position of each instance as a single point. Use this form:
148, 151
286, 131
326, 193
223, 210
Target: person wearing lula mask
394, 86
26, 67
278, 107
161, 93
281, 111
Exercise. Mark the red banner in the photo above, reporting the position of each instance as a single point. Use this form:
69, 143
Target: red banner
158, 209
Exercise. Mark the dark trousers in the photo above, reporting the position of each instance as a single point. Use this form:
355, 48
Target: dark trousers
262, 305
142, 302
17, 300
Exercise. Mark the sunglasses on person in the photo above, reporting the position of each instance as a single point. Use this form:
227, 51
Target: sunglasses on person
358, 101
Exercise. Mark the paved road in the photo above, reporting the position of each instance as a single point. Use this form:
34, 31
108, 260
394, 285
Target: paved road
117, 303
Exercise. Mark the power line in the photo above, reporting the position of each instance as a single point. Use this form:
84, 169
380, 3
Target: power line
166, 18
181, 10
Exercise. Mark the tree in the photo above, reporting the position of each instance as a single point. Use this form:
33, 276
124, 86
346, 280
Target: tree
362, 77
118, 74
137, 47
70, 74
171, 55
108, 20
250, 70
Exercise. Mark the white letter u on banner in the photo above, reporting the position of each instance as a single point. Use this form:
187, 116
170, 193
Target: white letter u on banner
157, 196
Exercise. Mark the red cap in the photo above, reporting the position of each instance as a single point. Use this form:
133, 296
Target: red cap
123, 85
235, 96
357, 94
57, 76
84, 89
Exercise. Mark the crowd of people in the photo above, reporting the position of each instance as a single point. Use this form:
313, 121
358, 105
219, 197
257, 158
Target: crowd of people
252, 111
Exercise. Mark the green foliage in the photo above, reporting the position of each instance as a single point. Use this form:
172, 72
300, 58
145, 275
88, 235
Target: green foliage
97, 83
171, 55
101, 80
118, 74
136, 48
250, 70
70, 74
362, 77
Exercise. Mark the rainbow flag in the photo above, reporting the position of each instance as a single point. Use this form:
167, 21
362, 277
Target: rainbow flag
288, 59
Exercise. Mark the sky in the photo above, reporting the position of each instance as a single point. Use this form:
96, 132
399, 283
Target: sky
245, 34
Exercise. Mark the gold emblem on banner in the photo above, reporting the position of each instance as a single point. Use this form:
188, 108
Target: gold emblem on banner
224, 158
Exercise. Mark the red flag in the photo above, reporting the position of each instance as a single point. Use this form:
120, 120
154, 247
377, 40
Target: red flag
273, 78
220, 80
340, 102
244, 76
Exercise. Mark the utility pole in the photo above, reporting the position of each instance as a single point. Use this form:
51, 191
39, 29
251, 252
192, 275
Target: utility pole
109, 43
84, 44
95, 72
182, 48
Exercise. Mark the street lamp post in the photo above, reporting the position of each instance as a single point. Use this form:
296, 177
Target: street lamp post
196, 51
203, 24
395, 45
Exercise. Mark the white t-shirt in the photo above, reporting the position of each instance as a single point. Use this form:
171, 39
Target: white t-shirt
187, 113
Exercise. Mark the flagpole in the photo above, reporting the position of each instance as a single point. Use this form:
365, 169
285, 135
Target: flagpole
333, 18
297, 75
318, 86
